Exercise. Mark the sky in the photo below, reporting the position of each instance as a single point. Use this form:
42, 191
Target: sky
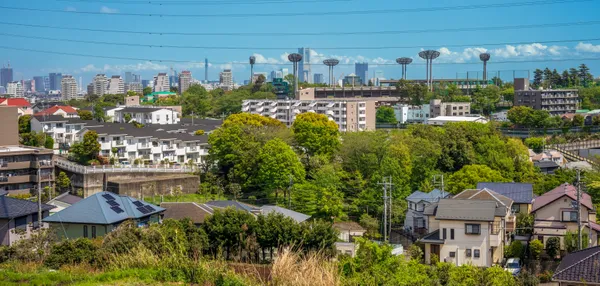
423, 25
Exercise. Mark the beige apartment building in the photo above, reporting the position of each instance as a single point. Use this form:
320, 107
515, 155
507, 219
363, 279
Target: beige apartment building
349, 115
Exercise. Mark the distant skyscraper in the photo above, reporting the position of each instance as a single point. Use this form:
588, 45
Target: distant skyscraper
39, 84
100, 84
362, 70
6, 76
146, 83
319, 78
55, 81
284, 72
137, 78
304, 69
129, 77
161, 82
69, 87
116, 85
226, 79
205, 70
185, 80
46, 83
90, 88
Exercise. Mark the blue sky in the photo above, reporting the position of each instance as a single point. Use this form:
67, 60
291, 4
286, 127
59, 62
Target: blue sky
28, 64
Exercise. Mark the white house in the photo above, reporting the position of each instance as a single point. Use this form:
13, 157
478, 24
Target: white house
62, 130
146, 115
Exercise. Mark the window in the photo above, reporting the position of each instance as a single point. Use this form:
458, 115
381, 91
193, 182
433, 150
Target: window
85, 231
476, 253
451, 233
93, 231
21, 222
443, 233
452, 254
516, 208
468, 253
472, 229
59, 125
569, 216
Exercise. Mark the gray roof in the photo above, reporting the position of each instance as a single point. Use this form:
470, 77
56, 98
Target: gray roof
580, 266
11, 208
50, 118
470, 210
235, 204
430, 197
96, 209
503, 203
150, 131
430, 209
140, 109
298, 217
520, 193
67, 198
546, 164
432, 237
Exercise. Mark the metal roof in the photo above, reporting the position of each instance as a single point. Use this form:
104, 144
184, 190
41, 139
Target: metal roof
469, 210
298, 217
520, 193
430, 197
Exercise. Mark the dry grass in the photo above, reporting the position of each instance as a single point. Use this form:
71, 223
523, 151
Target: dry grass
139, 257
292, 269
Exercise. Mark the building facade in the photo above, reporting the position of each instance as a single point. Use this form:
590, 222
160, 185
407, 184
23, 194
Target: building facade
20, 166
349, 115
145, 115
304, 68
352, 80
185, 81
555, 101
319, 78
226, 79
116, 85
439, 108
161, 83
100, 84
379, 93
15, 88
69, 87
362, 71
134, 87
39, 84
55, 81
6, 75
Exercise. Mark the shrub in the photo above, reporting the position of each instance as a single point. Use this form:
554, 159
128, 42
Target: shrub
535, 248
68, 252
545, 277
516, 249
199, 132
525, 278
553, 247
416, 252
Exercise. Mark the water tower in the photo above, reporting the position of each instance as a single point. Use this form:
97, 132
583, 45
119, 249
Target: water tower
404, 62
295, 58
331, 63
484, 57
252, 62
429, 56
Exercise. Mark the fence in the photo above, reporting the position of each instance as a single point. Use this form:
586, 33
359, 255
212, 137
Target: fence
80, 169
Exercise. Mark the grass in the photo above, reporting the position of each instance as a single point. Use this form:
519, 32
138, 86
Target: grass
197, 198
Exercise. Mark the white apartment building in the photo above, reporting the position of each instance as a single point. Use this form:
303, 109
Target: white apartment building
134, 86
62, 130
347, 114
100, 84
145, 115
226, 79
185, 81
15, 88
116, 85
69, 88
161, 83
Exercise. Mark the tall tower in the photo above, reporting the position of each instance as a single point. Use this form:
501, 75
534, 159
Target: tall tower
484, 57
331, 63
404, 62
252, 62
205, 70
295, 58
304, 68
429, 56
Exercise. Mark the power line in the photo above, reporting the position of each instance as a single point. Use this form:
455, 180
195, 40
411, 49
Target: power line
279, 63
340, 33
200, 3
326, 13
284, 48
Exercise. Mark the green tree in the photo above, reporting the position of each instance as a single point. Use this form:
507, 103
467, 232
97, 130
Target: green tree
99, 113
24, 124
553, 246
538, 78
485, 99
535, 143
228, 229
85, 114
535, 248
371, 224
508, 94
62, 181
496, 276
127, 117
524, 223
277, 165
465, 274
49, 142
316, 134
585, 77
34, 139
578, 120
147, 90
86, 150
516, 249
470, 175
385, 114
571, 241
414, 93
196, 100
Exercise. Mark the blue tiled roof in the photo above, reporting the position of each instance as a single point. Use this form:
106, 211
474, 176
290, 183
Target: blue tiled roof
12, 208
520, 193
95, 209
430, 197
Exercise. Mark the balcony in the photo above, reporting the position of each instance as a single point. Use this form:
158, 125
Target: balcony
168, 147
43, 178
146, 157
144, 146
119, 143
14, 179
42, 164
15, 165
192, 149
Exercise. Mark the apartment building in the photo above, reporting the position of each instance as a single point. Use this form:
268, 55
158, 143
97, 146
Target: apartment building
439, 108
161, 83
226, 79
185, 81
349, 115
379, 93
145, 115
134, 86
116, 85
62, 130
15, 88
555, 101
69, 87
100, 85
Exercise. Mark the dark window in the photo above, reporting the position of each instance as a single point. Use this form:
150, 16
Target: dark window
452, 254
569, 216
443, 233
541, 238
516, 208
472, 229
468, 253
451, 233
476, 253
21, 222
34, 217
93, 231
85, 231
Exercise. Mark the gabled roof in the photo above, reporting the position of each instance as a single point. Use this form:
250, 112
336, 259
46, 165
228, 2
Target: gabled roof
50, 118
580, 266
557, 193
430, 197
104, 208
348, 226
298, 217
54, 109
20, 102
503, 203
520, 193
67, 198
546, 164
11, 208
464, 209
180, 210
235, 204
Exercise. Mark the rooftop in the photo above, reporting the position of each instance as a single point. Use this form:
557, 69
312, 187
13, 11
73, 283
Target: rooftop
9, 149
457, 118
430, 197
11, 208
181, 210
557, 193
465, 209
520, 193
580, 266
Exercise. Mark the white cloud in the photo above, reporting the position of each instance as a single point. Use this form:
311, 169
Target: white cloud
70, 9
107, 10
468, 54
528, 50
90, 68
144, 66
260, 59
587, 48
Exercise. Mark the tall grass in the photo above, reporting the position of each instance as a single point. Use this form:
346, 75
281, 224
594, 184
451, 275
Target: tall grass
290, 268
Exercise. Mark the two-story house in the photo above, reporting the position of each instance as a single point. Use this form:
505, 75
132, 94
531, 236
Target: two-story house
18, 218
556, 213
415, 221
145, 115
470, 228
520, 193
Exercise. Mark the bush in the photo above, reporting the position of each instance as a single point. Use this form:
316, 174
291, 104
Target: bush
516, 249
199, 132
525, 278
416, 252
69, 252
535, 248
553, 247
545, 277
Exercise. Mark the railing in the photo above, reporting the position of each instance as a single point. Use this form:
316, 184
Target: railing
80, 169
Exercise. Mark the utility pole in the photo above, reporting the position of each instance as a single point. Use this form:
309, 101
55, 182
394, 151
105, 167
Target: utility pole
387, 207
289, 192
39, 179
579, 209
384, 210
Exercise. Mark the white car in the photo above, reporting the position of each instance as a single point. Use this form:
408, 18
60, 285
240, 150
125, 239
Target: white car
513, 265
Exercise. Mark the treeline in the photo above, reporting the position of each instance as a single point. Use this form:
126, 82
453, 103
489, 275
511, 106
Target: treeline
573, 77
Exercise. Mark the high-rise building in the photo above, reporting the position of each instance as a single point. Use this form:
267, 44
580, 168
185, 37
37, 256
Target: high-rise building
6, 75
137, 78
174, 79
362, 70
29, 85
100, 85
185, 80
69, 87
39, 83
319, 78
134, 86
55, 81
284, 72
116, 85
14, 88
146, 83
352, 80
90, 88
129, 77
304, 69
46, 83
226, 79
161, 82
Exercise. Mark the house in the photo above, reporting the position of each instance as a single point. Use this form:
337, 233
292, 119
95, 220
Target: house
550, 155
63, 201
298, 217
23, 106
415, 221
101, 213
579, 268
520, 193
196, 212
348, 230
555, 213
62, 130
145, 115
470, 228
41, 105
18, 218
547, 166
64, 111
